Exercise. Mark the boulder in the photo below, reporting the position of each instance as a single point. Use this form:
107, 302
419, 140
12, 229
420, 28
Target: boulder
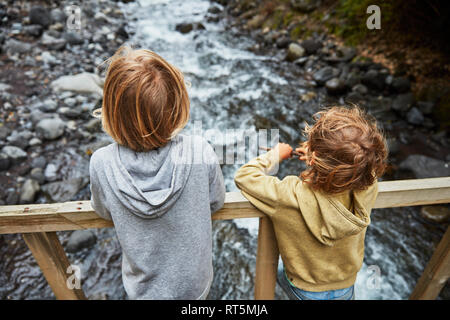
311, 46
83, 83
436, 213
15, 154
294, 52
13, 46
374, 79
305, 5
40, 15
80, 239
61, 191
415, 116
28, 191
50, 129
425, 167
325, 74
335, 86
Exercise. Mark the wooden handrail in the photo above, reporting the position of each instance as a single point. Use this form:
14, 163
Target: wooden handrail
38, 222
75, 215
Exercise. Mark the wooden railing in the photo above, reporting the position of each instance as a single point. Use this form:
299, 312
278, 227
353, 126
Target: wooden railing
38, 223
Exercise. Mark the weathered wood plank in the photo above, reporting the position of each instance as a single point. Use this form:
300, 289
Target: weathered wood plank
266, 261
80, 215
52, 260
436, 273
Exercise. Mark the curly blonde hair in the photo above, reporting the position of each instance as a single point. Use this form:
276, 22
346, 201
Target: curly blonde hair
345, 150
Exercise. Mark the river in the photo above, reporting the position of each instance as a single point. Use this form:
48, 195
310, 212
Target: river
232, 88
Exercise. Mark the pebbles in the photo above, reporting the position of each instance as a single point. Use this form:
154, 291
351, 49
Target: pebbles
50, 129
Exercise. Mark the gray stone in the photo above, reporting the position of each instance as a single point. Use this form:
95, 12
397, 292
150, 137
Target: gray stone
39, 162
15, 154
51, 172
294, 52
73, 38
4, 162
35, 142
61, 191
325, 74
83, 83
28, 191
50, 129
4, 132
80, 239
94, 125
58, 16
414, 116
33, 30
184, 27
40, 15
426, 107
311, 46
49, 105
19, 139
403, 102
360, 88
425, 167
374, 79
38, 175
335, 86
13, 46
52, 42
401, 84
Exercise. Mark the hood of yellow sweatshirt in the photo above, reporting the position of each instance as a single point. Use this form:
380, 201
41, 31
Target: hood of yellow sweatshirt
328, 218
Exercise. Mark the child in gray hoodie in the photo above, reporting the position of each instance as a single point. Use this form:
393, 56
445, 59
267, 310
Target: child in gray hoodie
158, 187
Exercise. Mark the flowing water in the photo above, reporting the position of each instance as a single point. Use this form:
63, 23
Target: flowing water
232, 89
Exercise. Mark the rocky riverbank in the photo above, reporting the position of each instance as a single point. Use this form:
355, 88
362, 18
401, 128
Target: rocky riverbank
49, 84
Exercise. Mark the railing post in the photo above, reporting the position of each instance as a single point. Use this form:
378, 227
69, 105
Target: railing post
436, 273
266, 261
51, 258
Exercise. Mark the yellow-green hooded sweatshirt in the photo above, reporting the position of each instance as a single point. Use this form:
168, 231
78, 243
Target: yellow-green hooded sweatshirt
320, 236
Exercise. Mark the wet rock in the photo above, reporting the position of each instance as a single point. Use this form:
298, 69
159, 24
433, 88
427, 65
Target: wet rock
94, 125
28, 191
343, 54
48, 58
13, 46
50, 129
73, 38
83, 83
305, 5
374, 79
436, 213
53, 43
51, 172
311, 46
425, 167
80, 239
426, 107
403, 102
401, 84
294, 52
15, 154
38, 175
415, 116
19, 138
48, 105
40, 15
184, 27
360, 88
39, 162
283, 42
335, 86
33, 30
393, 146
4, 132
325, 74
61, 191
4, 162
58, 15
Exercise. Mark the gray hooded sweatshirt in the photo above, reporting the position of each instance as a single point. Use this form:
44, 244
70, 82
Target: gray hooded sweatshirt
161, 203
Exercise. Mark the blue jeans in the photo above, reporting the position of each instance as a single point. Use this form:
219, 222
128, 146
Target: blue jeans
295, 293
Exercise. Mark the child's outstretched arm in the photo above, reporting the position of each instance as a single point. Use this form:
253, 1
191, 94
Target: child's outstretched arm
262, 190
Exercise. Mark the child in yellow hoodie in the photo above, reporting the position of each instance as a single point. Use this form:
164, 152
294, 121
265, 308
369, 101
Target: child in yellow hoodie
320, 218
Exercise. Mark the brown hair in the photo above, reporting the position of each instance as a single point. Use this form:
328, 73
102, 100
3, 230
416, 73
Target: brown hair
347, 150
144, 99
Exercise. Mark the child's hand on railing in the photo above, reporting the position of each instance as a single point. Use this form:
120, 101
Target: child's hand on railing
284, 151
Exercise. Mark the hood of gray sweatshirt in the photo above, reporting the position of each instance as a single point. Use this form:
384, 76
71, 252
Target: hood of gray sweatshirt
161, 203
